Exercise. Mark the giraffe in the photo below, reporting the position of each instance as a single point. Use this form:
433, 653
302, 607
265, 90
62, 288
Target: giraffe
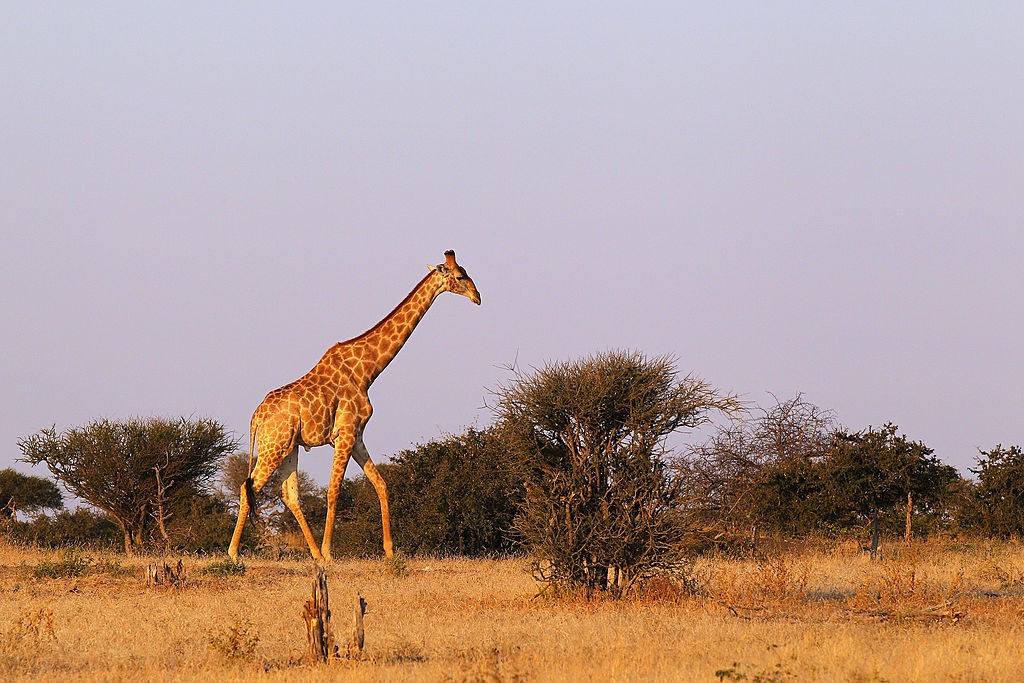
329, 404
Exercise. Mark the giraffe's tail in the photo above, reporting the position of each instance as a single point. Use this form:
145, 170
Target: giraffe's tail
250, 493
250, 496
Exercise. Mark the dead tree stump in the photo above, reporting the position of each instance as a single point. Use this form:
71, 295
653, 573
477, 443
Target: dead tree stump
355, 642
316, 614
165, 576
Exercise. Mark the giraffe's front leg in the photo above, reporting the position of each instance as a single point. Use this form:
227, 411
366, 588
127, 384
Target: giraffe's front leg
342, 452
363, 458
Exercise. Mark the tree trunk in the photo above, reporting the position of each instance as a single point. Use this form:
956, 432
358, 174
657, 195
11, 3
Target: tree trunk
160, 514
128, 549
132, 536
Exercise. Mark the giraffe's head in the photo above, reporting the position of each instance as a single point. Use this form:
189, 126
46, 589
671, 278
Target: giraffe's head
455, 278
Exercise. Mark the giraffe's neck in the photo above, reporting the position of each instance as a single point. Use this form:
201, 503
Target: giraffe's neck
382, 343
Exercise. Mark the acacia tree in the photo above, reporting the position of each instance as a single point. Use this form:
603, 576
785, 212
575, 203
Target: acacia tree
876, 470
25, 493
762, 470
588, 438
999, 493
139, 471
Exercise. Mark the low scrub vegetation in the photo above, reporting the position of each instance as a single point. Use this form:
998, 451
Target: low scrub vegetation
818, 611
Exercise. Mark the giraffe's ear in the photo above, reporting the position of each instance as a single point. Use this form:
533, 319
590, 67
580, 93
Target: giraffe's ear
431, 268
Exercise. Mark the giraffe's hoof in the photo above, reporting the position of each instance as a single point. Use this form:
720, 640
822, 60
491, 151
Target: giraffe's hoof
396, 564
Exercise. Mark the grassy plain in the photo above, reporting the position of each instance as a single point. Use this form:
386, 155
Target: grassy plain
937, 611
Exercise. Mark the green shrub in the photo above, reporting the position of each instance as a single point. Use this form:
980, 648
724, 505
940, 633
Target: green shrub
223, 568
83, 528
71, 564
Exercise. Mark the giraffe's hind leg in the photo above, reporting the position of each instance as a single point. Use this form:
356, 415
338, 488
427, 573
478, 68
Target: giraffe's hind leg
290, 496
243, 512
286, 458
246, 502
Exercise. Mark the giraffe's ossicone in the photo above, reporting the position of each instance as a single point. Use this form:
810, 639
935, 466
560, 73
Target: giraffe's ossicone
329, 405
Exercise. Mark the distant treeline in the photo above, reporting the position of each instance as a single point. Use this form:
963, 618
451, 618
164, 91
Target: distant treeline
789, 470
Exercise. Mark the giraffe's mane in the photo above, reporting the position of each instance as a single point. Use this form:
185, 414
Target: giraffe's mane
393, 311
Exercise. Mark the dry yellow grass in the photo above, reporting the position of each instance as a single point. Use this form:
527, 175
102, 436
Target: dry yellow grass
926, 613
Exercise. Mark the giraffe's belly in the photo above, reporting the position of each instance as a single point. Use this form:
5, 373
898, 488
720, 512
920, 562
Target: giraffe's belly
315, 424
316, 419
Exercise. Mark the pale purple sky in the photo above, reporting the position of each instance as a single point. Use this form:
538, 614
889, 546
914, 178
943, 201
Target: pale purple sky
196, 201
